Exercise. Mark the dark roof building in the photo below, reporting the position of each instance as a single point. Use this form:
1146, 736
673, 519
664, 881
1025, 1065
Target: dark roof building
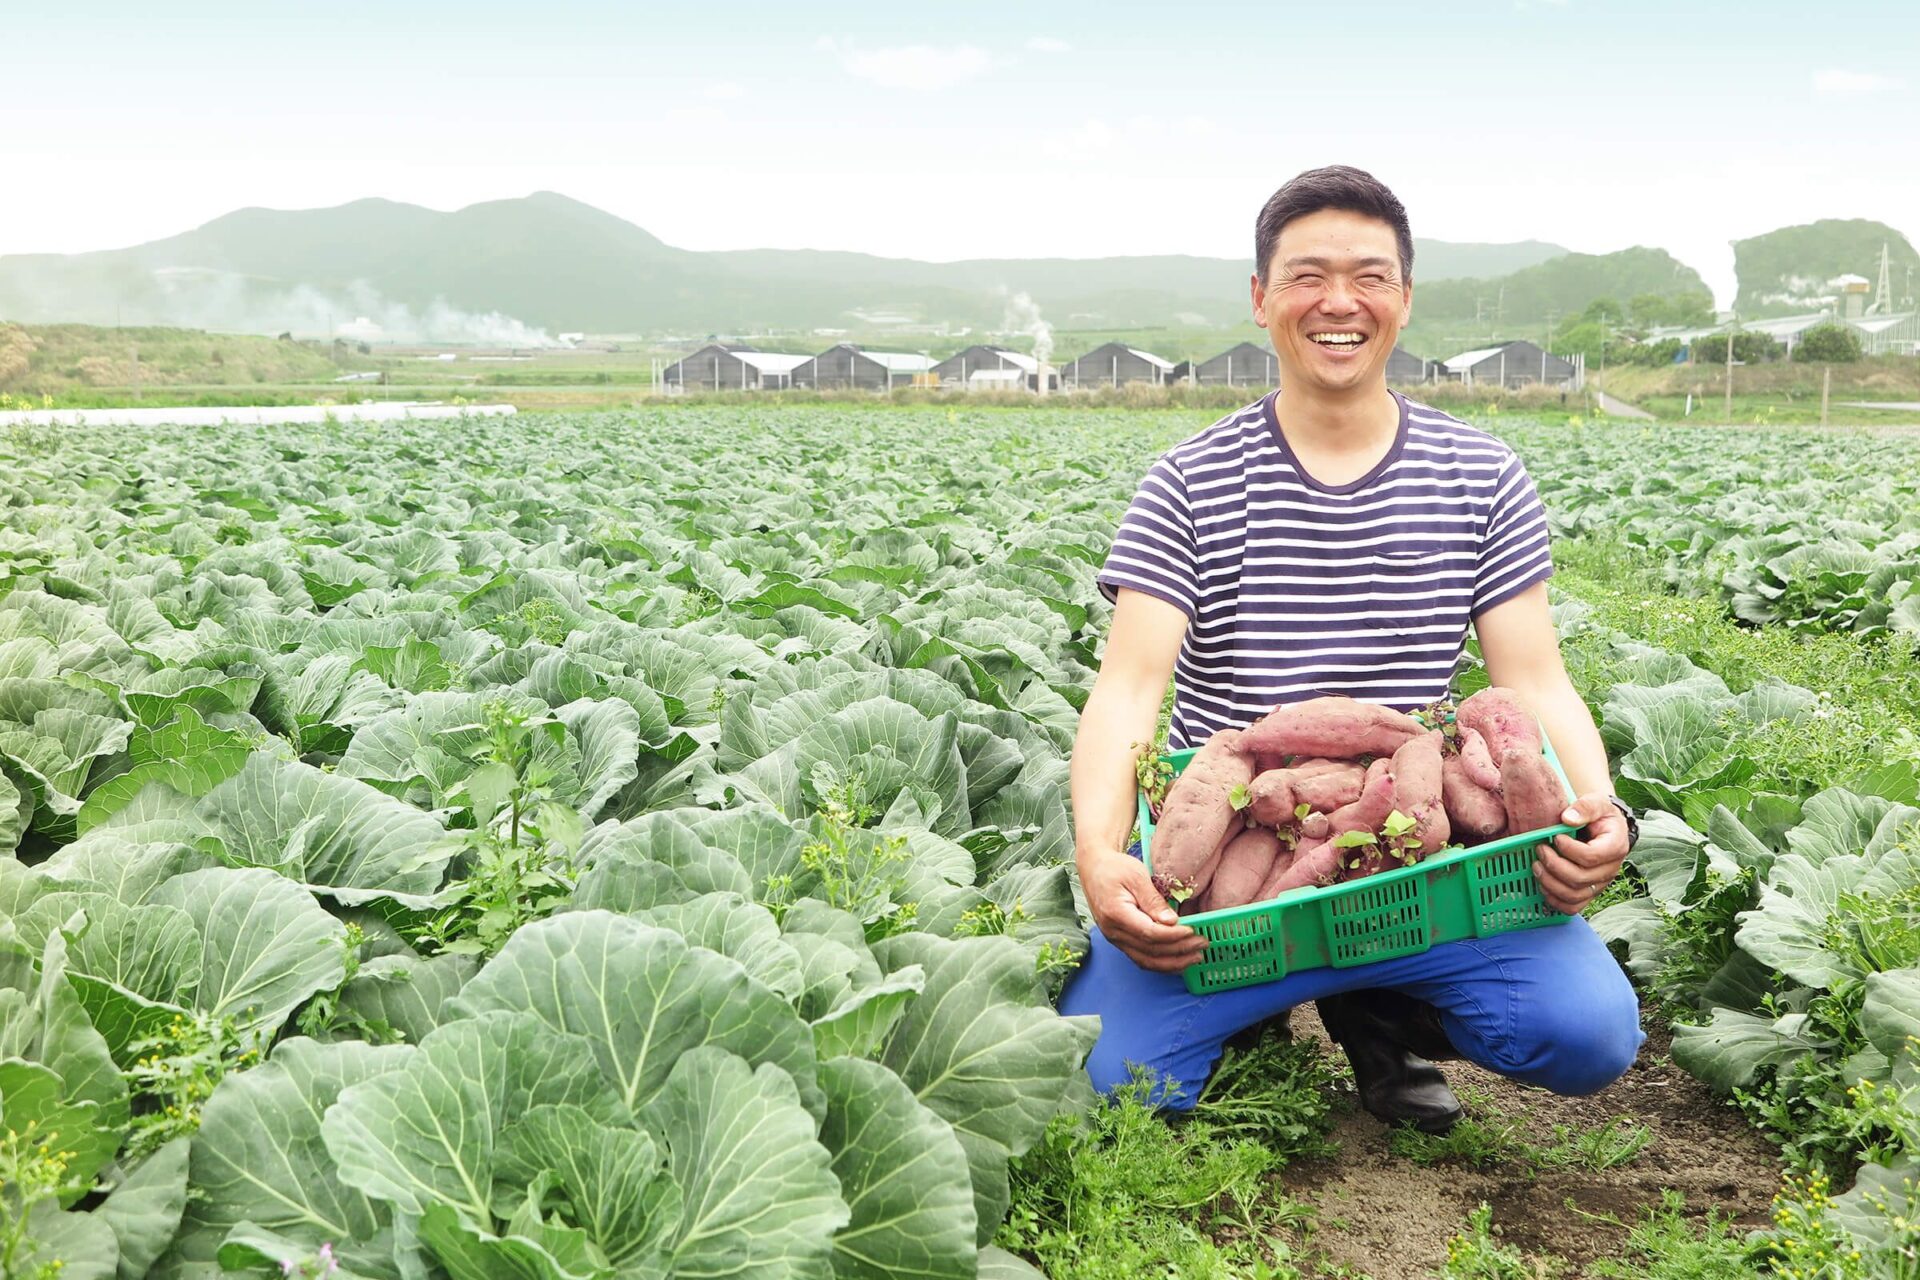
849, 367
1115, 364
1403, 367
991, 368
720, 366
1244, 365
1511, 364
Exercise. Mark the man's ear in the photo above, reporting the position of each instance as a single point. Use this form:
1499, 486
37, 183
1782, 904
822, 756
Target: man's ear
1259, 288
1406, 304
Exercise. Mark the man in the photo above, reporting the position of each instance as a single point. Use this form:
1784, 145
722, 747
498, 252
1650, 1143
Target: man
1334, 537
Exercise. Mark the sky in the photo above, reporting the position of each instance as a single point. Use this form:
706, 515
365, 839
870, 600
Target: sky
988, 129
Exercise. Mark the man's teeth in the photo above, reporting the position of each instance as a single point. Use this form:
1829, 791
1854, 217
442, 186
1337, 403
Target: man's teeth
1339, 339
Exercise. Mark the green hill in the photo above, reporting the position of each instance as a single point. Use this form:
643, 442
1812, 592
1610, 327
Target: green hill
1788, 270
553, 262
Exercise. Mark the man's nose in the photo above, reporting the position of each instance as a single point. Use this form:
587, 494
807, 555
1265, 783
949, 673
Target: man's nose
1338, 299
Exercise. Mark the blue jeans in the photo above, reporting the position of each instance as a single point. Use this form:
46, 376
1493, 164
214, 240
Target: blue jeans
1547, 1006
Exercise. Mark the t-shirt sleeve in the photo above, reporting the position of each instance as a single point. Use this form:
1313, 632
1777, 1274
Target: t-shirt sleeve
1514, 554
1154, 549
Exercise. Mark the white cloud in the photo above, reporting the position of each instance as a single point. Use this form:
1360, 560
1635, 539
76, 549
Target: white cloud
913, 66
1048, 44
724, 91
1836, 83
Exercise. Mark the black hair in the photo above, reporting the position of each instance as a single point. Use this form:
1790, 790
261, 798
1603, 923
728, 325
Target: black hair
1338, 186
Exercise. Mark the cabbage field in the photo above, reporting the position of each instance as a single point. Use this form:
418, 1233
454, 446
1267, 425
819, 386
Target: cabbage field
636, 844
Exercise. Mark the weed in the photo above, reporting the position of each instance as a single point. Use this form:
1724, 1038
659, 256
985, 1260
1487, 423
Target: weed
1667, 1246
1476, 1255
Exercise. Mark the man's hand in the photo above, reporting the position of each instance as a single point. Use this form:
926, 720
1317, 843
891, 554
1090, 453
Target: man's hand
1134, 917
1573, 872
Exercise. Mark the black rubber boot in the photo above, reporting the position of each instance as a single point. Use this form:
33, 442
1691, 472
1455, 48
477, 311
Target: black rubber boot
1380, 1031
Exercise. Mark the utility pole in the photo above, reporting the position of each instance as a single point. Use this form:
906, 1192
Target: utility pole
1729, 377
136, 372
1826, 390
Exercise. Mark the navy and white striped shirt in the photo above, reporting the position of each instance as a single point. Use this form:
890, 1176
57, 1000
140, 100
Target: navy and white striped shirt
1297, 588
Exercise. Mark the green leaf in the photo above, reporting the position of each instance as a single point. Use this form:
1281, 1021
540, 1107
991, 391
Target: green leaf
144, 1211
983, 1048
613, 1178
537, 1252
259, 1158
903, 1174
428, 1131
1788, 930
860, 1022
265, 945
408, 993
642, 997
335, 834
1734, 1047
761, 1197
80, 1243
1890, 1015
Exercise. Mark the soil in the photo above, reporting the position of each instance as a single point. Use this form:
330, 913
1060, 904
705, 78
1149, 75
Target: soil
1385, 1217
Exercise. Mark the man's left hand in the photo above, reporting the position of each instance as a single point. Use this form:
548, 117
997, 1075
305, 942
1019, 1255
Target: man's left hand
1573, 872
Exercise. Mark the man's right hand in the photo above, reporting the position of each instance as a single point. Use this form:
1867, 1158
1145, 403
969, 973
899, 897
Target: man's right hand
1134, 917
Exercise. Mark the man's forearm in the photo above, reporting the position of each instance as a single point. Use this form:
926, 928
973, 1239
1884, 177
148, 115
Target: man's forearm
1115, 730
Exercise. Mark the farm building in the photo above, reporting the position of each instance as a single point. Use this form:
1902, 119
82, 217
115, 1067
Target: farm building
1404, 367
1115, 364
720, 367
849, 366
1890, 335
1512, 364
1244, 365
985, 368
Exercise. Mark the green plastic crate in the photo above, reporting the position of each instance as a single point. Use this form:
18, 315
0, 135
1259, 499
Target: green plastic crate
1465, 893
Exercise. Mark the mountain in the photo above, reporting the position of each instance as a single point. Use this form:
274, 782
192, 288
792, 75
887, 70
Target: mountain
487, 271
1562, 286
1789, 270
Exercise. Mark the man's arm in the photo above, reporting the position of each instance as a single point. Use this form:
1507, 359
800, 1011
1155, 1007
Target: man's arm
1523, 654
1115, 727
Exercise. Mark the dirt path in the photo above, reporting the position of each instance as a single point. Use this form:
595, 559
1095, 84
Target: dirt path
1386, 1217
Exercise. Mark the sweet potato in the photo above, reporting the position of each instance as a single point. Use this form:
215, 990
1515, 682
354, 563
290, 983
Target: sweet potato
1416, 770
1475, 813
1330, 726
1499, 716
1316, 863
1243, 869
1270, 797
1365, 814
1198, 811
1330, 788
1477, 760
1532, 791
1315, 826
1281, 862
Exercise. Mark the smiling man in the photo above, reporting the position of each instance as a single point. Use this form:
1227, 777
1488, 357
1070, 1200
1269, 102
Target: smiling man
1336, 537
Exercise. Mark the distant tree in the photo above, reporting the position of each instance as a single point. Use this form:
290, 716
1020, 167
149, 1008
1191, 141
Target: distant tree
1582, 339
1603, 311
1828, 344
1658, 310
1652, 354
1748, 348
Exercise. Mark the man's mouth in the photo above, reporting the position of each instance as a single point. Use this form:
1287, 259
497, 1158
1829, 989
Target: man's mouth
1338, 341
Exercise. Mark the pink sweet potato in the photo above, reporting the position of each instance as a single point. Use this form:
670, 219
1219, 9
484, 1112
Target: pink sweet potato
1499, 716
1194, 821
1316, 863
1475, 813
1532, 791
1477, 760
1365, 814
1417, 772
1281, 862
1331, 726
1243, 869
1270, 799
1330, 788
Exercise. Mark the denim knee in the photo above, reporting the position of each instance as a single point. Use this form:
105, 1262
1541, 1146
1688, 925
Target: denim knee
1577, 1046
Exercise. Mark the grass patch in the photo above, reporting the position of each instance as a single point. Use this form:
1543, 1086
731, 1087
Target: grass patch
1870, 689
1127, 1192
1667, 1245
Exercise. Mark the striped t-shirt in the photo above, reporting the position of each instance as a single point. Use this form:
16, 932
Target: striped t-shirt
1297, 588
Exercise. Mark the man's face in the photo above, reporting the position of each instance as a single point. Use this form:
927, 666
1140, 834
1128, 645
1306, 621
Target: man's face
1333, 301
